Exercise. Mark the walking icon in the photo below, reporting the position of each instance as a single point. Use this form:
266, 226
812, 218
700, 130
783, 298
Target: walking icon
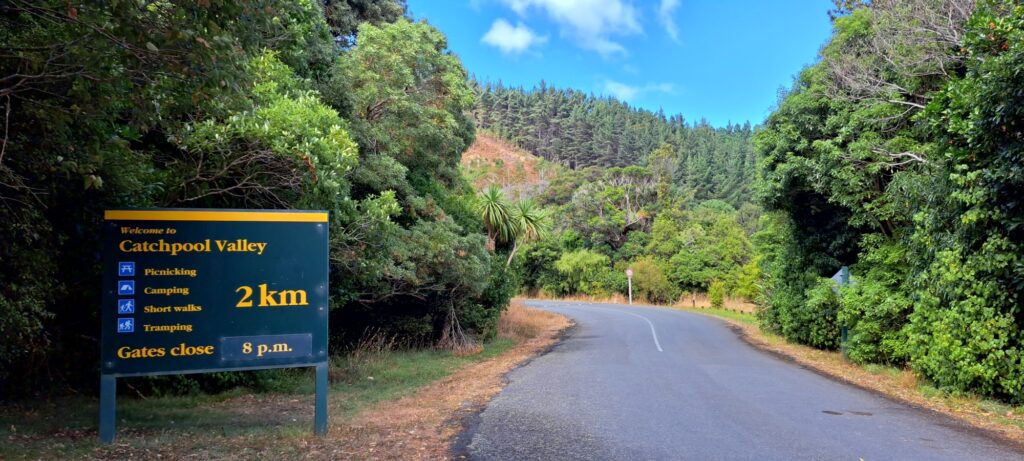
125, 306
126, 269
125, 287
126, 325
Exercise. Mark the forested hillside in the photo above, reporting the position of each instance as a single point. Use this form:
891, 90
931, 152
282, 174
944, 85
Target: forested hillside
900, 154
638, 190
349, 108
578, 130
581, 229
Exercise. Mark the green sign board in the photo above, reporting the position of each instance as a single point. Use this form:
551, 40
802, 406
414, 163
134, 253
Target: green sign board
195, 291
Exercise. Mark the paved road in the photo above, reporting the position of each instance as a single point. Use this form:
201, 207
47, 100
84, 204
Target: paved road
644, 383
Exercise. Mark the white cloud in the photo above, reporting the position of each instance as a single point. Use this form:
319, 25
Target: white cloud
592, 24
511, 39
660, 87
665, 11
628, 92
621, 90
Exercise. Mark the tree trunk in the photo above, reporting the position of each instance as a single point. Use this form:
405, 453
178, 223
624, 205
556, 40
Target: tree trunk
515, 246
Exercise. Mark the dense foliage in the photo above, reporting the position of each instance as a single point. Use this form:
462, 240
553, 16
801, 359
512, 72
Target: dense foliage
668, 199
343, 106
637, 217
900, 155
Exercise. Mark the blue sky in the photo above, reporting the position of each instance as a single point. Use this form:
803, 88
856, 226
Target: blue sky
723, 60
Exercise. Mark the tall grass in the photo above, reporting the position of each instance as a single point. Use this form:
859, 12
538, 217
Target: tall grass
701, 301
686, 301
520, 323
373, 348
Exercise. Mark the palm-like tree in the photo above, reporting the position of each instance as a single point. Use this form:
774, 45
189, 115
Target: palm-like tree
498, 219
524, 221
531, 223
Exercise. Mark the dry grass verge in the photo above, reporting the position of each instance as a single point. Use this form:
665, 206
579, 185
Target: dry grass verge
520, 323
701, 301
424, 425
613, 299
686, 301
384, 403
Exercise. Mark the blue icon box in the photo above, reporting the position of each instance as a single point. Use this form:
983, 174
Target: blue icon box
125, 287
126, 325
126, 269
125, 306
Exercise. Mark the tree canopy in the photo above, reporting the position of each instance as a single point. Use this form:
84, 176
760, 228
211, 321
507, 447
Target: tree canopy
342, 106
898, 154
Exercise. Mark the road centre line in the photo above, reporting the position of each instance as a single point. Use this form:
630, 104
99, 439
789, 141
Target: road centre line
654, 334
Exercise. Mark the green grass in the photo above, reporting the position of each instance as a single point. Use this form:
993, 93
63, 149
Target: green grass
741, 317
879, 369
66, 427
397, 374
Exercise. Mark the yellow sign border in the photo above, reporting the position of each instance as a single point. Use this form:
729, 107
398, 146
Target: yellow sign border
213, 215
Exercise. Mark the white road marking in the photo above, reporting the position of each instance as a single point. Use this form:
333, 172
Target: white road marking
654, 334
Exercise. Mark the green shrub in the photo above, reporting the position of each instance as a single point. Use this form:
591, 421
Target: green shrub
956, 336
874, 315
716, 294
966, 330
481, 316
819, 315
746, 280
537, 267
609, 282
584, 272
805, 316
875, 308
651, 283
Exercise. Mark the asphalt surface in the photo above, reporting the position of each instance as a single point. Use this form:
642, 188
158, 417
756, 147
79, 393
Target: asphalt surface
637, 383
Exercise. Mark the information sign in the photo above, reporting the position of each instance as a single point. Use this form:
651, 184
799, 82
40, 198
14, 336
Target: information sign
196, 291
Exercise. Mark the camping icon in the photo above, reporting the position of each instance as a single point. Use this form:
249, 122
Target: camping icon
125, 325
125, 287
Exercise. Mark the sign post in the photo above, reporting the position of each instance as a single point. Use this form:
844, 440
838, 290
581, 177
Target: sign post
200, 291
842, 278
629, 281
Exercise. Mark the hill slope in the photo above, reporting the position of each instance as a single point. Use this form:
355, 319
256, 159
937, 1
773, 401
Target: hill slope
492, 160
579, 130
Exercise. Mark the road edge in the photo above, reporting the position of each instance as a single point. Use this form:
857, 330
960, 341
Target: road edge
994, 432
471, 418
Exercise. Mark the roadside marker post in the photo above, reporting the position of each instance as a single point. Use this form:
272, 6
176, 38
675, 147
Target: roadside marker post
629, 281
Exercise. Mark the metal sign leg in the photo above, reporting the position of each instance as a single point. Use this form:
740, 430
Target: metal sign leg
108, 408
320, 418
